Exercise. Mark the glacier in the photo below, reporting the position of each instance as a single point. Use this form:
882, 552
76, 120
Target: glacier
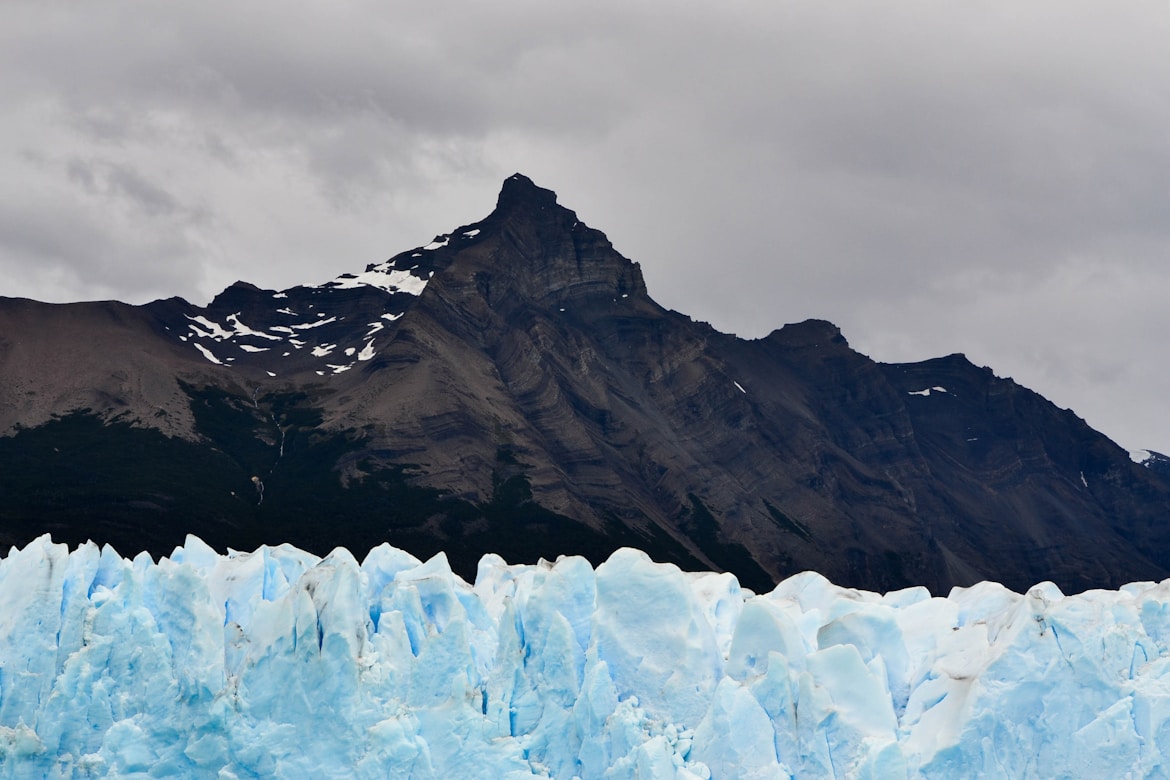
277, 663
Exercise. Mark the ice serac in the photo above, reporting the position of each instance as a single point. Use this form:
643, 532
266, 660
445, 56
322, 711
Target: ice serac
278, 663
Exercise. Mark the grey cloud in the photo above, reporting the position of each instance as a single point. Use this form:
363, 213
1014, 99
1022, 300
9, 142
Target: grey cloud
65, 256
124, 183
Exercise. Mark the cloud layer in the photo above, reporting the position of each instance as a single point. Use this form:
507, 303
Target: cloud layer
934, 177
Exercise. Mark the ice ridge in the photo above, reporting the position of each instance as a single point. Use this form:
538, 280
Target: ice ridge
277, 663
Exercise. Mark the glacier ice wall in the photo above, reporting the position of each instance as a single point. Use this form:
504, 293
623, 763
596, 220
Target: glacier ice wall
280, 664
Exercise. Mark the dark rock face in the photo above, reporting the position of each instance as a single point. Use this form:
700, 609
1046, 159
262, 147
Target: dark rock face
512, 387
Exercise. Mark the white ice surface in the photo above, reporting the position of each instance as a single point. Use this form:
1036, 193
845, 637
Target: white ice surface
280, 664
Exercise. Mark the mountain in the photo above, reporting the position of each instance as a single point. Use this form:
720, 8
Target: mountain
512, 387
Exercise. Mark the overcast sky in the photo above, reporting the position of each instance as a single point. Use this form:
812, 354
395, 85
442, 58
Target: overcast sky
934, 176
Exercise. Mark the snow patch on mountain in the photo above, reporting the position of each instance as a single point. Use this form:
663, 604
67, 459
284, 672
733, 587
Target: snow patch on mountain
326, 301
233, 332
281, 664
210, 330
313, 323
240, 329
207, 353
383, 276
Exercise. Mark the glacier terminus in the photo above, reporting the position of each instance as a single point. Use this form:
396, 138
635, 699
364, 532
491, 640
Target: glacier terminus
277, 663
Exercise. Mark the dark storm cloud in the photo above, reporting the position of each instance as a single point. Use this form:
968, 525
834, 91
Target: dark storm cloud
933, 176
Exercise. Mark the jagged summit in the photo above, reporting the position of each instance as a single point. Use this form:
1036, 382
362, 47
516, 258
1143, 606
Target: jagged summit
519, 190
531, 249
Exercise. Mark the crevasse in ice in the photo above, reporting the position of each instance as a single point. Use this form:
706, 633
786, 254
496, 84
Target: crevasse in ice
279, 664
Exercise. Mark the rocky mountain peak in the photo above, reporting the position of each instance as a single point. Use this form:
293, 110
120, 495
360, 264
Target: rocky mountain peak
537, 250
525, 208
519, 191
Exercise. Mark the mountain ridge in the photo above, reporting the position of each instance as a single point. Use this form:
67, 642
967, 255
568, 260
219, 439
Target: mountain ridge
512, 386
